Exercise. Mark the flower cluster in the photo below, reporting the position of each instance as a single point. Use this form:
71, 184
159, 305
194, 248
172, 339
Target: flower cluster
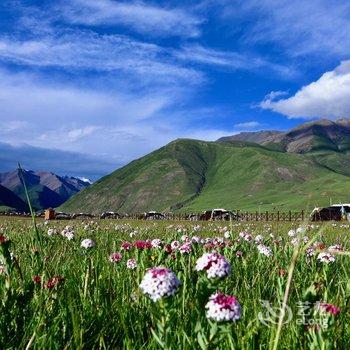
222, 307
159, 282
115, 257
325, 257
214, 264
131, 264
265, 250
87, 243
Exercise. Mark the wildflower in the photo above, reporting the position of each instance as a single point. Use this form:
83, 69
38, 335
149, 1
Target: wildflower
246, 236
156, 243
37, 279
87, 243
263, 249
53, 282
131, 264
159, 282
69, 236
329, 308
143, 245
115, 257
326, 258
239, 254
336, 247
258, 239
214, 264
291, 233
227, 234
185, 248
222, 307
126, 246
168, 248
175, 245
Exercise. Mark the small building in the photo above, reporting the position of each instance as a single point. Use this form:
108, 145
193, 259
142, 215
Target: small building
49, 214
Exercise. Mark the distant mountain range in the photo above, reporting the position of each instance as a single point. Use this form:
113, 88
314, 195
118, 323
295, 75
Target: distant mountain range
300, 168
45, 189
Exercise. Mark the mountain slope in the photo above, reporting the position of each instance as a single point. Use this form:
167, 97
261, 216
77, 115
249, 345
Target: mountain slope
191, 175
9, 201
321, 135
45, 189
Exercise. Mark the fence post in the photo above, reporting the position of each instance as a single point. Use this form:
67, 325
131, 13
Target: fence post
278, 215
302, 215
290, 215
267, 216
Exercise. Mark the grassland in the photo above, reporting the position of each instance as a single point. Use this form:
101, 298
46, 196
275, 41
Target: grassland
56, 294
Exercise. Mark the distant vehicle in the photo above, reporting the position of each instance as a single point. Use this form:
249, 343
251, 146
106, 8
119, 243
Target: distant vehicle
110, 215
82, 216
153, 215
335, 212
217, 214
62, 216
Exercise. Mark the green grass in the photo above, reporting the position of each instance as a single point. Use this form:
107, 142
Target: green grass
99, 304
189, 175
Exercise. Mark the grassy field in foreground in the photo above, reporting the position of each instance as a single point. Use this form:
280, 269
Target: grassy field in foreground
57, 294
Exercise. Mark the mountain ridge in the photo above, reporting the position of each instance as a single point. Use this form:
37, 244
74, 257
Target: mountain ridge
309, 165
45, 189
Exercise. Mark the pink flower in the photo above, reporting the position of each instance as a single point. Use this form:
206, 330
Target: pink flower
126, 246
330, 308
185, 248
159, 282
214, 264
239, 254
143, 245
115, 257
222, 307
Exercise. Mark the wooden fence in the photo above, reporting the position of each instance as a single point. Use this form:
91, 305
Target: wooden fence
235, 216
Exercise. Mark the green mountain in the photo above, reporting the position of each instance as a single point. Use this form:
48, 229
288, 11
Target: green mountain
294, 170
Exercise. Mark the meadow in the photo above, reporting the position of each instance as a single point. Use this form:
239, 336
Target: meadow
118, 284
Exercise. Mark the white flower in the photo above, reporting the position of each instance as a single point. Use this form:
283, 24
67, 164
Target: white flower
263, 249
51, 231
131, 264
87, 243
175, 245
214, 264
221, 307
70, 235
326, 257
159, 282
156, 243
291, 233
258, 238
227, 234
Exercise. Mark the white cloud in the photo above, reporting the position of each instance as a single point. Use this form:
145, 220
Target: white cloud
328, 97
137, 15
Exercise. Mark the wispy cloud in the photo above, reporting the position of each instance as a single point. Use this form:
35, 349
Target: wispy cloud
300, 27
137, 15
231, 60
86, 50
327, 97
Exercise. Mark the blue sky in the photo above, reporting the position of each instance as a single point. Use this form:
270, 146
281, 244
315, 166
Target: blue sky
106, 81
